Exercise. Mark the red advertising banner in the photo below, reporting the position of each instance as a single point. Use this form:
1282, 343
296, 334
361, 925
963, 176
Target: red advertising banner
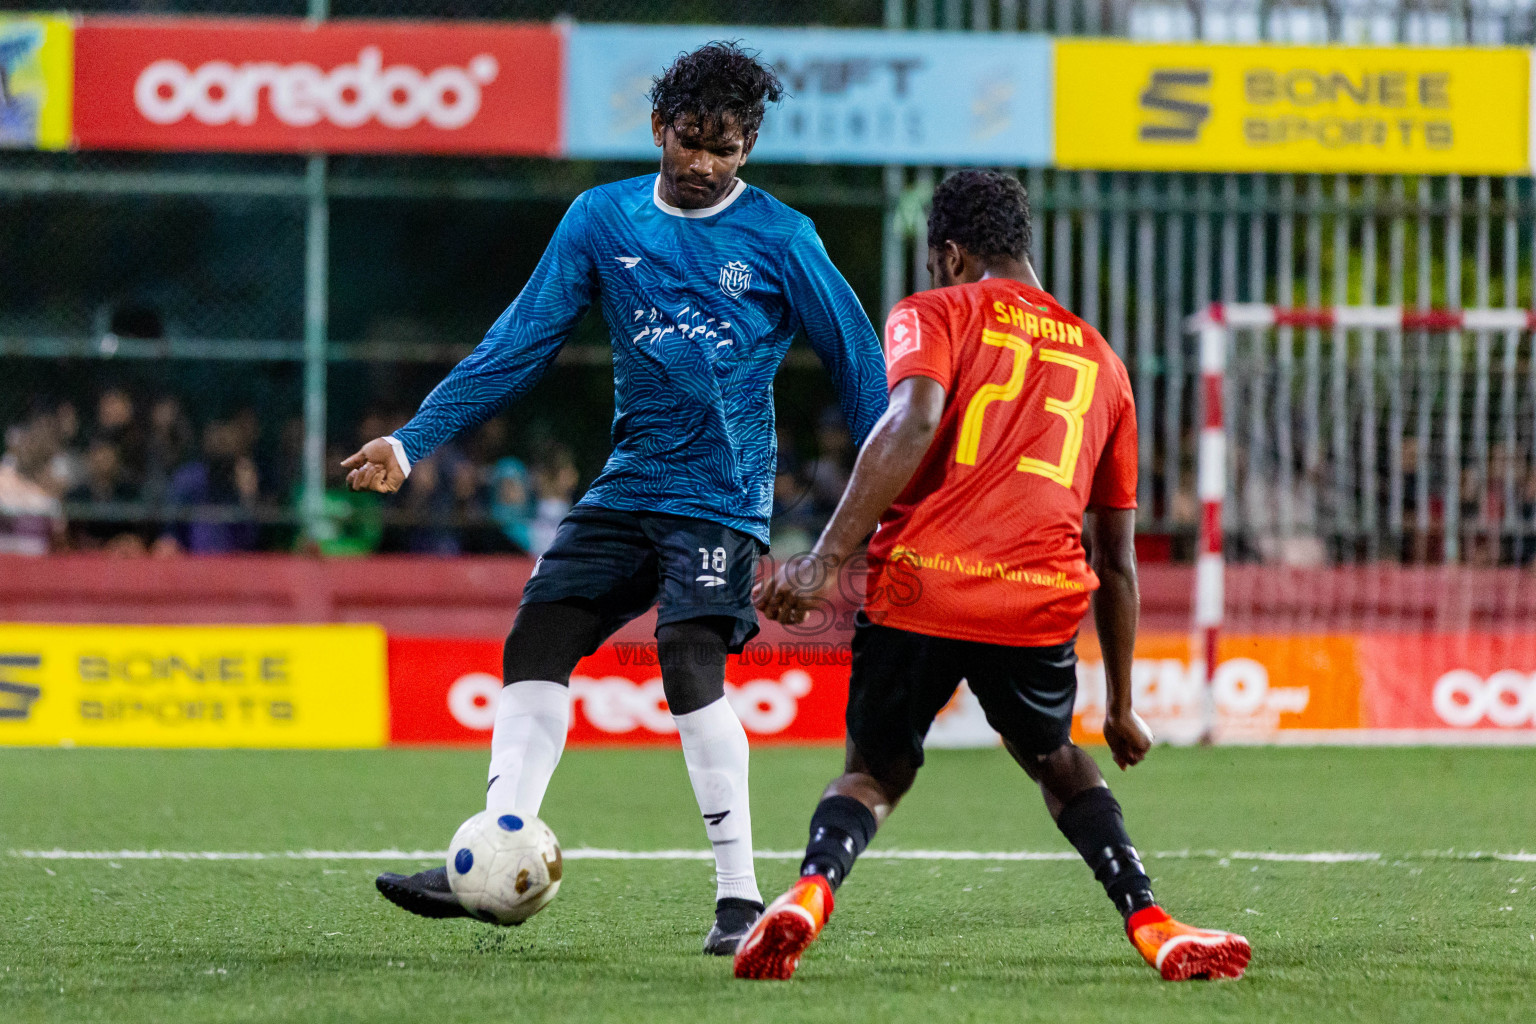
445, 691
1306, 688
1472, 683
343, 87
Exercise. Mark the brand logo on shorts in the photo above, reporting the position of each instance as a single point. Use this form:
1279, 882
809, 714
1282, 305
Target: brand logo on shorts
735, 278
710, 581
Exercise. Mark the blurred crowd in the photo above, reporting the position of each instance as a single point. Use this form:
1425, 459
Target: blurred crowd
135, 476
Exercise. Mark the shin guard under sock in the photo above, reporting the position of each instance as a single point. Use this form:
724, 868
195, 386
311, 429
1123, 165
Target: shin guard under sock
841, 828
1092, 822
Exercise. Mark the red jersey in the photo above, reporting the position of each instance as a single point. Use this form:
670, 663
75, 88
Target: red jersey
985, 543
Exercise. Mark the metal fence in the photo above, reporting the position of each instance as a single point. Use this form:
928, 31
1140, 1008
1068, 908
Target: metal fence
1374, 434
1356, 445
1135, 254
256, 267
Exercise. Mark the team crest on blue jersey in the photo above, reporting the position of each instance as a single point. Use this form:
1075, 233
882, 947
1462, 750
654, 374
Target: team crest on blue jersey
735, 277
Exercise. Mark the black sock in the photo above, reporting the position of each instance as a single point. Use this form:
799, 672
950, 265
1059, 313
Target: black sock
1092, 822
840, 830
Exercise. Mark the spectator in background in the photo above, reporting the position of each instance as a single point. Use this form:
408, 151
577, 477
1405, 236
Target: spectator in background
31, 518
288, 469
105, 482
1482, 508
1526, 555
554, 489
441, 497
794, 519
512, 503
68, 464
115, 422
828, 472
226, 477
168, 445
246, 428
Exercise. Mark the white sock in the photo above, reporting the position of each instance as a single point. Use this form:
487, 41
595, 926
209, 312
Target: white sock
715, 750
531, 722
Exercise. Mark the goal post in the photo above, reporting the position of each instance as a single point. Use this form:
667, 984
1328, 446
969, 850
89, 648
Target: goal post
1347, 443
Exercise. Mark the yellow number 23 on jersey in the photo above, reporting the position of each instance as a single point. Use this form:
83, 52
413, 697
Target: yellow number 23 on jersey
1070, 409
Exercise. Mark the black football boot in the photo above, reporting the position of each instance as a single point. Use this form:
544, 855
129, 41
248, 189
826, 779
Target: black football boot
733, 919
425, 894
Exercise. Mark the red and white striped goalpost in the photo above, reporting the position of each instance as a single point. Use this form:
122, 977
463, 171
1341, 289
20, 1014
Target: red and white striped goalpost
1214, 326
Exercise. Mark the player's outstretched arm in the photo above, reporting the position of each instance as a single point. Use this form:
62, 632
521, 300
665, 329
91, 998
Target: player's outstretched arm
895, 449
1116, 609
839, 331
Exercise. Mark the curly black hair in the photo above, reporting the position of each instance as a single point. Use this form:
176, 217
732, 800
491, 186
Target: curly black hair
984, 212
718, 82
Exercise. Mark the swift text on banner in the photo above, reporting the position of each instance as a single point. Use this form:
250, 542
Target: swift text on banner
854, 96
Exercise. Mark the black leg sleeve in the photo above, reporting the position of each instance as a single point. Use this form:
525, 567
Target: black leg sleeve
1093, 823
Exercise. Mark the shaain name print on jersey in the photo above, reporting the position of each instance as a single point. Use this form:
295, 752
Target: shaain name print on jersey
1044, 327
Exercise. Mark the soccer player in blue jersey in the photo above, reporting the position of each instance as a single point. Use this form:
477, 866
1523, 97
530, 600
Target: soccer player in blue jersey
703, 281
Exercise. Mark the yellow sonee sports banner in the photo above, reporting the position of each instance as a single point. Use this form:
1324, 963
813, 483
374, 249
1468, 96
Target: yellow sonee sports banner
1139, 106
193, 686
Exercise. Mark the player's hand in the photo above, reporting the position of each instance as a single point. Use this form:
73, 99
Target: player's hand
374, 468
797, 586
1128, 737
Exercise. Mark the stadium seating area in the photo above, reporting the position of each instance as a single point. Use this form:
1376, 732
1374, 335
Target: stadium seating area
130, 474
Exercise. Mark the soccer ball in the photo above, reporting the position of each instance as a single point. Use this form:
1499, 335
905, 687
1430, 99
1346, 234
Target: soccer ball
504, 868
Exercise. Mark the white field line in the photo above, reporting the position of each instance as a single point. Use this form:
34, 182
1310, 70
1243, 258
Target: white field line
592, 853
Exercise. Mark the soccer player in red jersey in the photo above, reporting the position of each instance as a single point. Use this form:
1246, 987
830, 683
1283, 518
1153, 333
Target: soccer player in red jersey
1009, 420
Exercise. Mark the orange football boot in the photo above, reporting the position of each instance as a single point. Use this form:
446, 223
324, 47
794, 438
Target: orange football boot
1180, 952
772, 948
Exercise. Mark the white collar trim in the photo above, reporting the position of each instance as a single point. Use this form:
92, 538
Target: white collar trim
708, 211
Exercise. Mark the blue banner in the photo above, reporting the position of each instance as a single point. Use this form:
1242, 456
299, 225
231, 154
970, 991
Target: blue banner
854, 95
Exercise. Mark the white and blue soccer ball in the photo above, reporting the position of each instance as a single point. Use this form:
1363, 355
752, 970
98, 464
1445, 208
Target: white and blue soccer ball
504, 867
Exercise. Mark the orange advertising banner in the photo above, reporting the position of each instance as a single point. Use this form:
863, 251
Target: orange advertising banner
1262, 686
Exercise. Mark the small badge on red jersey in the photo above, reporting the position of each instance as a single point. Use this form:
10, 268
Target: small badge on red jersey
903, 335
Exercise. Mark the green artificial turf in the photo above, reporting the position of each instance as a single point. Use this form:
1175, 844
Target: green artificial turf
1422, 934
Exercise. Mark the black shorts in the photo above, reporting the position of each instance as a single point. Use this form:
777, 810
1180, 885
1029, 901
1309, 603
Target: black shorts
901, 680
625, 562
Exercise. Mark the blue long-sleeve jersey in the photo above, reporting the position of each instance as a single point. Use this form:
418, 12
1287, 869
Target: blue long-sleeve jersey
701, 306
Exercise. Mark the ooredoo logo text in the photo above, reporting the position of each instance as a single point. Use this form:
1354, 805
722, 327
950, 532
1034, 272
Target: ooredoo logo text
301, 95
1506, 699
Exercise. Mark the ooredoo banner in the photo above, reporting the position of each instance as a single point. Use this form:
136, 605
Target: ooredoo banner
1482, 685
340, 87
192, 686
445, 691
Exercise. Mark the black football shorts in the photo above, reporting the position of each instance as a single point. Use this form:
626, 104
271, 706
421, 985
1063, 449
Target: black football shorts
901, 680
625, 562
